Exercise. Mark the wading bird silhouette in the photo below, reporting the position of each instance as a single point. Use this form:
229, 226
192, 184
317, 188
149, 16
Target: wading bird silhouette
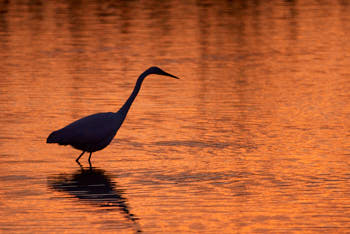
95, 132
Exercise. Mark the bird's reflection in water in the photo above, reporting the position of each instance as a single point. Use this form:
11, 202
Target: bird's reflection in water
96, 187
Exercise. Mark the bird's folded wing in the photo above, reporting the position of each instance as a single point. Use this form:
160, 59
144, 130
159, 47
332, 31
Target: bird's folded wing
88, 130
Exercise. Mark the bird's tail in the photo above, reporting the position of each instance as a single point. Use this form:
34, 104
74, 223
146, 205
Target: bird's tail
54, 138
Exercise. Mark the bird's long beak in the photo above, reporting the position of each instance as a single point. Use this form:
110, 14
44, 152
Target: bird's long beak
167, 74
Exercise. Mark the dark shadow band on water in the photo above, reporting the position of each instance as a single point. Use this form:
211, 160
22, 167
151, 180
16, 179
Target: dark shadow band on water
96, 187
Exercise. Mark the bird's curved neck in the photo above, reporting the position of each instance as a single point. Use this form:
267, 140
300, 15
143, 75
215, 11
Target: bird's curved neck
125, 108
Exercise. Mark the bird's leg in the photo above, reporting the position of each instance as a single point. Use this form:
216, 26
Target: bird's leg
81, 167
77, 160
90, 158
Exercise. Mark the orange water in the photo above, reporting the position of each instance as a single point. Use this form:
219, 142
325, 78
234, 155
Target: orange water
253, 138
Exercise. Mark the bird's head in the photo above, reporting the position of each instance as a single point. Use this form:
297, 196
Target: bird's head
158, 71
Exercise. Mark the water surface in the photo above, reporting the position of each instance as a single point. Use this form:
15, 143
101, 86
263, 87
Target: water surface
253, 138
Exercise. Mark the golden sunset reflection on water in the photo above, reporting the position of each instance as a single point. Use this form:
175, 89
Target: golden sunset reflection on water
254, 137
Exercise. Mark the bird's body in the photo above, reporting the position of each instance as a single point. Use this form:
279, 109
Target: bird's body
95, 132
91, 133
